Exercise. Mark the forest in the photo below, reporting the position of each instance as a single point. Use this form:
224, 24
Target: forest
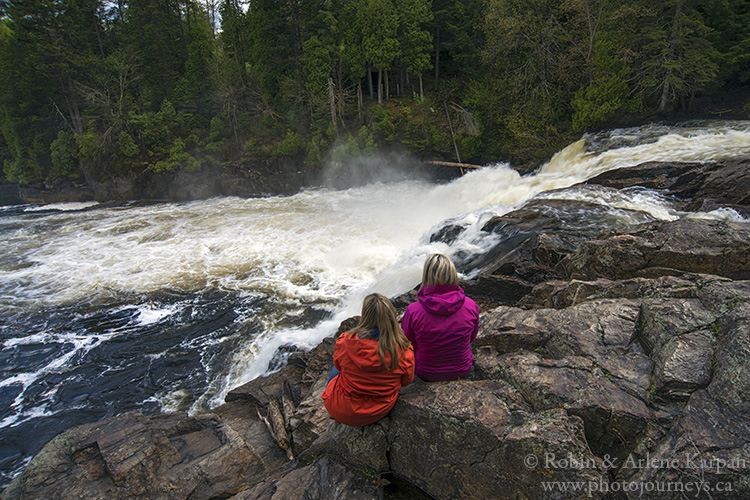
98, 89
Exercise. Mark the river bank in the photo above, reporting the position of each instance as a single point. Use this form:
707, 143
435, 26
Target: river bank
273, 176
612, 359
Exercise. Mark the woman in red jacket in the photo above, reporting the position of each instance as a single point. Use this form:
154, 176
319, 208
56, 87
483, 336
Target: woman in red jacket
374, 361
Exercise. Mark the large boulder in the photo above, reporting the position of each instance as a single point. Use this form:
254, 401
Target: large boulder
324, 479
709, 446
665, 248
480, 439
170, 456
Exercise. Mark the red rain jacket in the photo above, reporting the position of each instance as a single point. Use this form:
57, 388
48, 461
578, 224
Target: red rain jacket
364, 391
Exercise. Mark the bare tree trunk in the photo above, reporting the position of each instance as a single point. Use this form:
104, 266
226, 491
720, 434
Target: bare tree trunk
369, 81
360, 101
437, 57
387, 85
664, 100
421, 87
332, 97
453, 136
380, 86
97, 30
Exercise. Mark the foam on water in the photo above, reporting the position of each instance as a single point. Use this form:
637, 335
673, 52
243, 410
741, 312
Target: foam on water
63, 207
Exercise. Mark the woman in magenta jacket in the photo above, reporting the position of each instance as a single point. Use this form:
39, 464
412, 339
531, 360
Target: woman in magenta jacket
441, 324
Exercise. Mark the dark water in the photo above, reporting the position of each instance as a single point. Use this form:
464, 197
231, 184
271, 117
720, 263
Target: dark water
94, 363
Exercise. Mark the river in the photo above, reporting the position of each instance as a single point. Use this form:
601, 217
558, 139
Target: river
169, 306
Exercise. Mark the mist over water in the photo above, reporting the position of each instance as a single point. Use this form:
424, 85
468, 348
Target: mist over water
169, 306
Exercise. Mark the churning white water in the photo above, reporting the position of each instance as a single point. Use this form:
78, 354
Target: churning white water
234, 279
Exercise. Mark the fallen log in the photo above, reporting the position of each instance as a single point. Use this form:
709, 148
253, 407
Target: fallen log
452, 164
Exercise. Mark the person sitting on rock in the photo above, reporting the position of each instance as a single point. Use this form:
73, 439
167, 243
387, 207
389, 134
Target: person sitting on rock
442, 323
370, 364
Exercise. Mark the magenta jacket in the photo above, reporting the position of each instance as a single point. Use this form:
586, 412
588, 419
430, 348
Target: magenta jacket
440, 327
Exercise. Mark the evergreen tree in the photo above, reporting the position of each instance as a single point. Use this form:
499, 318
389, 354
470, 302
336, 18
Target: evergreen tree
457, 36
272, 44
155, 31
47, 49
380, 37
677, 59
729, 21
414, 40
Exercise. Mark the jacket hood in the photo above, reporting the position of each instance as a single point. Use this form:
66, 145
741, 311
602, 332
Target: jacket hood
364, 352
441, 299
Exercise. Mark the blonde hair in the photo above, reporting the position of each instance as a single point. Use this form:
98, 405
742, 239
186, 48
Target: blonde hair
439, 270
378, 313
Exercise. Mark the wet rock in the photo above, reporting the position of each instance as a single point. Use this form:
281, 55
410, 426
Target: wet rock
167, 456
668, 248
710, 444
532, 240
324, 479
477, 439
703, 186
447, 234
56, 193
364, 448
683, 364
10, 195
610, 415
560, 294
662, 319
510, 329
497, 288
311, 419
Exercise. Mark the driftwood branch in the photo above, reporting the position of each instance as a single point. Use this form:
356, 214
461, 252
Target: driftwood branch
279, 427
287, 404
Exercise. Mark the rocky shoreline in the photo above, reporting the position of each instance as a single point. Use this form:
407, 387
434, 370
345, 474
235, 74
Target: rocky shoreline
609, 364
245, 178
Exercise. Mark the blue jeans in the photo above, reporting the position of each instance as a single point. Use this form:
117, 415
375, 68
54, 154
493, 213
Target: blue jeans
334, 372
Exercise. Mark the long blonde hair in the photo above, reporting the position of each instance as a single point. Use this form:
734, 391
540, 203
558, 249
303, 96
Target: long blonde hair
378, 313
439, 270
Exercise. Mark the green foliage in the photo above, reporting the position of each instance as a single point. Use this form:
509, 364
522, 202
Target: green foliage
595, 104
15, 170
677, 57
152, 84
354, 146
216, 130
380, 33
178, 158
383, 122
272, 43
126, 145
414, 39
289, 146
88, 145
63, 155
